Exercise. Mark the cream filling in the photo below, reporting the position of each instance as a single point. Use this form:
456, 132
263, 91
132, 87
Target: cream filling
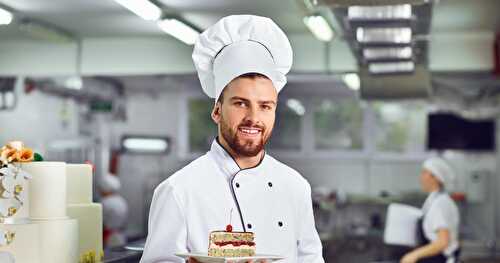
230, 246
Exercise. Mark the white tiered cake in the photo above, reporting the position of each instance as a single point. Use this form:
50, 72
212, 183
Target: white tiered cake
89, 215
39, 228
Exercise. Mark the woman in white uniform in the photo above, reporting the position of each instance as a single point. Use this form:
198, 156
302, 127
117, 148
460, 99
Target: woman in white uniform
439, 226
242, 63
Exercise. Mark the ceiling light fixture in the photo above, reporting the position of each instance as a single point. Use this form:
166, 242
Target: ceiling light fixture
296, 106
145, 144
179, 30
319, 27
143, 8
5, 17
352, 81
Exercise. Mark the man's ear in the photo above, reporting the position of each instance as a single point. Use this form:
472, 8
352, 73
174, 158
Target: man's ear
216, 112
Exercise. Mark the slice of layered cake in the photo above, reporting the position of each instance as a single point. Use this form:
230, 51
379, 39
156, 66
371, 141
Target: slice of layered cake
231, 244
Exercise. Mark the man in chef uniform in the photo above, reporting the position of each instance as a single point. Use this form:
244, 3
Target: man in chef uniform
242, 62
439, 227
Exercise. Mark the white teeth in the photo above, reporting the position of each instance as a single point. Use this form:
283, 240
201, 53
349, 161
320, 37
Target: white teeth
249, 131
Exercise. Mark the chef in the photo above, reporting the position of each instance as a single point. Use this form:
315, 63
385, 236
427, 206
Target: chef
115, 211
439, 226
242, 62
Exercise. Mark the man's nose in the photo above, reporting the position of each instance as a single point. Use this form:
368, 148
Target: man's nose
252, 115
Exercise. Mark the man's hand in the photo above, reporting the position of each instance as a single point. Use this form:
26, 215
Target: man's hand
410, 258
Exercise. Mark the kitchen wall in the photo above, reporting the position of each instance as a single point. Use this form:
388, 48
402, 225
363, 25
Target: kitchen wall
40, 118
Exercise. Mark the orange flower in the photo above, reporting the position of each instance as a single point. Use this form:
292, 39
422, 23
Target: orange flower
25, 155
8, 154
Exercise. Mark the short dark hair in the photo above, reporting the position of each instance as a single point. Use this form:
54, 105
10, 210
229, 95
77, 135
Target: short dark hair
251, 75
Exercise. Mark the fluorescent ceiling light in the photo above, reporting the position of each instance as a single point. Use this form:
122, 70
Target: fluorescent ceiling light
387, 53
143, 144
319, 27
143, 8
387, 12
352, 81
179, 30
399, 35
391, 67
5, 17
296, 106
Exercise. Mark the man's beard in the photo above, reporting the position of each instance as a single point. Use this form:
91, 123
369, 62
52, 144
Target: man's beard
241, 146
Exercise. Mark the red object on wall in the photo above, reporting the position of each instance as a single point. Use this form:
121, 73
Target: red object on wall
496, 55
29, 86
113, 163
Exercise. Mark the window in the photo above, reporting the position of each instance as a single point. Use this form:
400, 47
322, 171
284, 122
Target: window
287, 128
202, 129
338, 124
319, 124
401, 127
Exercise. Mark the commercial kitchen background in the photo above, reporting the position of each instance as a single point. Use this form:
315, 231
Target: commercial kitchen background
90, 73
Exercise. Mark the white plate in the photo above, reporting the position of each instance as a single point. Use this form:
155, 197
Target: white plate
204, 258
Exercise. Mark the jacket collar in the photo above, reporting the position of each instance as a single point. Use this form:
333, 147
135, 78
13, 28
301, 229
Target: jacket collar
430, 199
227, 164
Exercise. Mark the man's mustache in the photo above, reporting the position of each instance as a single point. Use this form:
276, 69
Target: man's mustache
250, 124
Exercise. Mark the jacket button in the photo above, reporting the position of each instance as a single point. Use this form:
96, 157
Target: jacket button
238, 185
280, 223
249, 226
270, 184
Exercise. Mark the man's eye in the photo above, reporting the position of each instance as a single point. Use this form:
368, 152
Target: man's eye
266, 107
240, 103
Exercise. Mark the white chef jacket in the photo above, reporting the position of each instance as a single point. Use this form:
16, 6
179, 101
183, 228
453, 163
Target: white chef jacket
440, 212
275, 203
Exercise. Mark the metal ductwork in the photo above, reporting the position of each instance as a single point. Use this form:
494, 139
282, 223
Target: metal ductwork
396, 86
345, 3
78, 88
389, 39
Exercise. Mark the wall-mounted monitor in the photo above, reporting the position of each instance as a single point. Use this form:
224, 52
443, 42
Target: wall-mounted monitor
447, 131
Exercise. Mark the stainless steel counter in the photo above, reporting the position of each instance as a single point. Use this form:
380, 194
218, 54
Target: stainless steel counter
131, 253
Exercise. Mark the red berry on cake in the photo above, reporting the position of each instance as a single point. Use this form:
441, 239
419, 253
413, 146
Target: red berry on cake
229, 228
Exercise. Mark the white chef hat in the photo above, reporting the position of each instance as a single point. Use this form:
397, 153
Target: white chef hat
440, 169
110, 183
241, 44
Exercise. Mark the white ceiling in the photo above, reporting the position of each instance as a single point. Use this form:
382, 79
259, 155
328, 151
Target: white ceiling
465, 16
105, 18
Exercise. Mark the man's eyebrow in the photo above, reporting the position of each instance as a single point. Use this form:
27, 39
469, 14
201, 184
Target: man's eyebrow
267, 102
247, 100
239, 98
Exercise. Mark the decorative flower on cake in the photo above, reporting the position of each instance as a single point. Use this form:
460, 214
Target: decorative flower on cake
16, 152
91, 257
12, 182
6, 237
